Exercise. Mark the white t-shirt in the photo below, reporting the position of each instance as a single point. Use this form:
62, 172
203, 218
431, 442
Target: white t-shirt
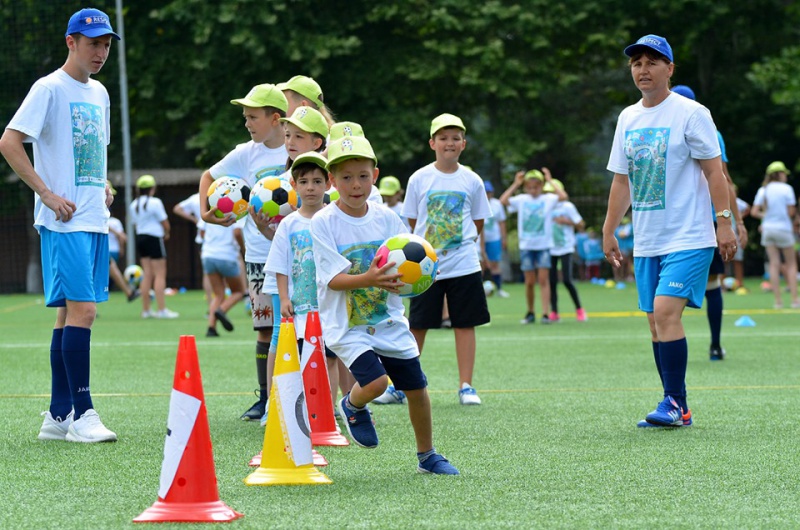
775, 198
354, 322
147, 219
534, 223
398, 209
252, 162
292, 254
491, 227
658, 148
219, 241
564, 235
113, 242
191, 205
446, 206
68, 123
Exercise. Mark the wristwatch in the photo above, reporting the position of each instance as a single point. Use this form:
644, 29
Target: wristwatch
724, 213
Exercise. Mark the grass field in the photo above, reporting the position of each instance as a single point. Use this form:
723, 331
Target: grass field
553, 446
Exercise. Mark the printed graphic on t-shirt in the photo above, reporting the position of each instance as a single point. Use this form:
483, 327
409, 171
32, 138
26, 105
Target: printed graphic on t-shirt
489, 224
365, 307
532, 219
646, 150
559, 238
304, 272
269, 171
445, 213
88, 144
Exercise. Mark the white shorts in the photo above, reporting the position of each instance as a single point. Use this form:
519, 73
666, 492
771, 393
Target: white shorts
778, 238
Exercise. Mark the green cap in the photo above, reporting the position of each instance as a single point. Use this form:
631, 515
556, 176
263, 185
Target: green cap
345, 128
306, 87
310, 120
350, 147
265, 95
312, 157
777, 166
550, 187
389, 186
446, 120
111, 187
534, 174
145, 181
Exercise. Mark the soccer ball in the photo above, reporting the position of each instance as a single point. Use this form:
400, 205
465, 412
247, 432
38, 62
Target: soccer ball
273, 197
414, 258
229, 195
133, 275
728, 283
330, 196
488, 287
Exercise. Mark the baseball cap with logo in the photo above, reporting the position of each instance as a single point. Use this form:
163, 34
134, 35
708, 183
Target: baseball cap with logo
312, 157
145, 181
350, 147
308, 119
388, 186
345, 128
265, 95
446, 120
90, 23
650, 42
776, 167
306, 87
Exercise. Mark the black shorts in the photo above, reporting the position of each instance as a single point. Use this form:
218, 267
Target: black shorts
150, 247
406, 374
717, 265
466, 301
328, 352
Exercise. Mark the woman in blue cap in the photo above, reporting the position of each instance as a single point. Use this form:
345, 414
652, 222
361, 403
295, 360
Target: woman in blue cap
666, 164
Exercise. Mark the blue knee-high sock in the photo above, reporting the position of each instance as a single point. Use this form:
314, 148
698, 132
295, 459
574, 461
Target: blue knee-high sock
60, 398
674, 358
498, 280
657, 358
75, 348
714, 299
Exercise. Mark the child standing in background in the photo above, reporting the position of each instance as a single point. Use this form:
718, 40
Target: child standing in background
565, 220
494, 239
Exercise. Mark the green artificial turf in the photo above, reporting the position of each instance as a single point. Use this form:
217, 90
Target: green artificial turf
554, 445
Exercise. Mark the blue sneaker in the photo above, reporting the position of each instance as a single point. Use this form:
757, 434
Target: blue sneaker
359, 424
391, 396
668, 414
436, 464
687, 422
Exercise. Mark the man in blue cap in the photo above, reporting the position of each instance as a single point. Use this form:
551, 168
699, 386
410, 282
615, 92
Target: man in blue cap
66, 118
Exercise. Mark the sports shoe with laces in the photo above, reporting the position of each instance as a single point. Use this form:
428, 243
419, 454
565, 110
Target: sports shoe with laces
54, 428
554, 317
211, 332
391, 396
580, 315
686, 422
436, 464
468, 395
359, 424
716, 353
530, 318
502, 294
166, 313
667, 414
255, 412
148, 314
89, 429
223, 319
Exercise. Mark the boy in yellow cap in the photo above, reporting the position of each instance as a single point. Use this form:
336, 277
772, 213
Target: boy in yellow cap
263, 156
446, 204
303, 91
361, 314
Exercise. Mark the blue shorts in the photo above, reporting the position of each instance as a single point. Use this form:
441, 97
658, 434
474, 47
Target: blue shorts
406, 374
534, 259
74, 267
276, 321
682, 274
114, 255
494, 250
225, 268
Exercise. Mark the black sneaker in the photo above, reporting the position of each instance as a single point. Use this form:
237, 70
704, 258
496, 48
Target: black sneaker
530, 318
255, 412
212, 333
134, 295
223, 319
716, 353
546, 320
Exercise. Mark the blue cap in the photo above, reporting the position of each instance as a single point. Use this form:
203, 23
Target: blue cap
684, 91
91, 23
488, 186
650, 42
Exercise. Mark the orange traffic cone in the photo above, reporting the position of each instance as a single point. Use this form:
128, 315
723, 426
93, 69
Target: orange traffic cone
286, 457
188, 488
318, 387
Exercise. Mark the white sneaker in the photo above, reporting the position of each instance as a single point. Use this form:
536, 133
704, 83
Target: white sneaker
53, 428
166, 313
502, 294
89, 429
148, 314
468, 395
391, 396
